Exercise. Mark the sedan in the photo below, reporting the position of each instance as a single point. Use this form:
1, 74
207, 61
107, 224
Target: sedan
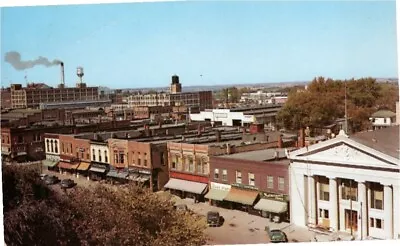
50, 180
67, 183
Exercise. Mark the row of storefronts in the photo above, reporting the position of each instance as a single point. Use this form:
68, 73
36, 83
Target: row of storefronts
235, 196
101, 171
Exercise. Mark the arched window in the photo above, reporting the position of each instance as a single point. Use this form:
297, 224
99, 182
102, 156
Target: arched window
100, 155
105, 156
52, 145
204, 164
48, 145
56, 146
93, 155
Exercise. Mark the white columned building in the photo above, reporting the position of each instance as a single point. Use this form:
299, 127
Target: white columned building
349, 184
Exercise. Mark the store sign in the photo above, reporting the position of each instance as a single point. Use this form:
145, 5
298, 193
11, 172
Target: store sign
242, 186
217, 186
279, 197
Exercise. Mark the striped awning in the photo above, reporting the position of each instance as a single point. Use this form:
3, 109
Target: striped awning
117, 174
83, 166
49, 163
98, 169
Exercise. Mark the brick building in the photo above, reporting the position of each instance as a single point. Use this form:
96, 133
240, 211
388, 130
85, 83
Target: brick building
255, 181
33, 96
201, 99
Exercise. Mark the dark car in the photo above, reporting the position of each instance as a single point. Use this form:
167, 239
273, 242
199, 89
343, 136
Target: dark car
213, 218
67, 183
278, 236
50, 180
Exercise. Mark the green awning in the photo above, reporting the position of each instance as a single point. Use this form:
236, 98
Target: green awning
273, 206
49, 163
217, 195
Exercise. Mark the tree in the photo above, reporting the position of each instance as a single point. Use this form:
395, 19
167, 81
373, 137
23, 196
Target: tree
324, 99
37, 215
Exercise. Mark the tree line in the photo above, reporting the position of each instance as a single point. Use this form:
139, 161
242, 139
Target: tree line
324, 101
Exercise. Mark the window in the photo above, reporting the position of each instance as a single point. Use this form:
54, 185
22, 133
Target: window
251, 179
87, 156
225, 175
186, 163
376, 195
349, 190
281, 183
62, 147
105, 156
173, 165
139, 161
205, 166
216, 173
100, 155
48, 145
199, 166
162, 158
52, 145
20, 139
82, 155
324, 213
116, 157
378, 223
270, 182
324, 189
121, 157
384, 120
94, 155
191, 165
371, 222
55, 146
238, 177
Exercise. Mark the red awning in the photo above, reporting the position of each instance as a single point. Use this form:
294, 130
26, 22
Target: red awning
66, 165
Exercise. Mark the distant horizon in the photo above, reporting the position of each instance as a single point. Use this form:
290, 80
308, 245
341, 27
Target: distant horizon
140, 45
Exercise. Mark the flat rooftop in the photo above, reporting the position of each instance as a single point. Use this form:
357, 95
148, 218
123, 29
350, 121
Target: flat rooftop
259, 155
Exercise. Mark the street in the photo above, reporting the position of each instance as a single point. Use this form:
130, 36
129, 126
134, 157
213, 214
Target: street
238, 228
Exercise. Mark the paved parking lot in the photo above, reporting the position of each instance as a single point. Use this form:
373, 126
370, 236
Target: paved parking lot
238, 228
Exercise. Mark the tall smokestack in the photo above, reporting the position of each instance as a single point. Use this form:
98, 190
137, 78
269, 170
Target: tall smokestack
62, 73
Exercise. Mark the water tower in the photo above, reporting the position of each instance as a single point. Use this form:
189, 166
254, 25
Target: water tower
80, 73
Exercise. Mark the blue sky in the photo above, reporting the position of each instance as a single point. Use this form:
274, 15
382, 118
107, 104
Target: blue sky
143, 44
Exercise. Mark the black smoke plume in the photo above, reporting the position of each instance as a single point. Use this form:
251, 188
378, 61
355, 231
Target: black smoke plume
14, 58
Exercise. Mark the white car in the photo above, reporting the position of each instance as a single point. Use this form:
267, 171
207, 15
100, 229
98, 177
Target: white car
43, 176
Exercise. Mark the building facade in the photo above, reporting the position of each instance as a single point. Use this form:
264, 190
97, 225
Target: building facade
32, 97
348, 184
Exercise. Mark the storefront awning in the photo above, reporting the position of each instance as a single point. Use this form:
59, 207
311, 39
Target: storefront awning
217, 195
84, 166
116, 174
246, 197
98, 169
184, 185
143, 178
133, 176
272, 206
65, 165
49, 163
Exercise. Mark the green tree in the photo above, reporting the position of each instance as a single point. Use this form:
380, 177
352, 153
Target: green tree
37, 215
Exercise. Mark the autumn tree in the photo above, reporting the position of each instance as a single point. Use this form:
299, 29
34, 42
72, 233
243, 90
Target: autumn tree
103, 215
324, 101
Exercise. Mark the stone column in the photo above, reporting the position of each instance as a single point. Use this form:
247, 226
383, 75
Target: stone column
362, 210
312, 200
333, 200
388, 210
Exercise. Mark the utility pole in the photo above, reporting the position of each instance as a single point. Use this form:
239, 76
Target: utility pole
345, 107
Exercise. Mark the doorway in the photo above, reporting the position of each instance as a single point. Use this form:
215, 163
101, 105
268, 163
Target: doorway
350, 220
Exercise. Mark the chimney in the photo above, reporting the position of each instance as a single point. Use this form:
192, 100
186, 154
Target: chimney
218, 135
280, 142
228, 149
301, 139
62, 73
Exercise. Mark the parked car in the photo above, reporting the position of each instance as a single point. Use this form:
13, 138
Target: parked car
50, 180
278, 236
213, 218
67, 183
43, 176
